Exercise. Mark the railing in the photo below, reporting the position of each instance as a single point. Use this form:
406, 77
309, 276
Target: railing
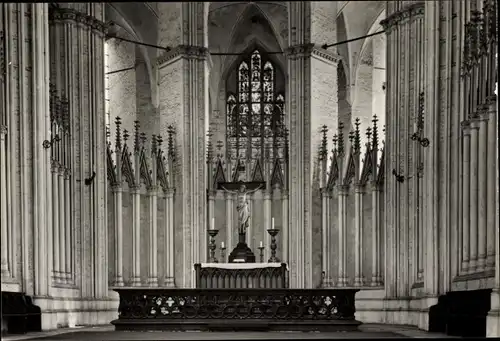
254, 278
211, 309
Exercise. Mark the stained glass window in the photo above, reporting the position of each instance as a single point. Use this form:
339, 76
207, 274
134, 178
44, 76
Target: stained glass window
255, 113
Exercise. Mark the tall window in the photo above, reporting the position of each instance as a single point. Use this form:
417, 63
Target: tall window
255, 109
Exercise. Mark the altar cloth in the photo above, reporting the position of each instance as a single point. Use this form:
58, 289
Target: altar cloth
237, 266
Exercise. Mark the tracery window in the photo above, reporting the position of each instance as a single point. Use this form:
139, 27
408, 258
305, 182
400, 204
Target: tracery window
255, 109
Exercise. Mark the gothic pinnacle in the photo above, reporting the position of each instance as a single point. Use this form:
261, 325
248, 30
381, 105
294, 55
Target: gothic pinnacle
341, 138
118, 122
375, 132
136, 135
357, 136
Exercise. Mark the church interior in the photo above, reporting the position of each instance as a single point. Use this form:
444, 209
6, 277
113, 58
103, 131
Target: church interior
309, 165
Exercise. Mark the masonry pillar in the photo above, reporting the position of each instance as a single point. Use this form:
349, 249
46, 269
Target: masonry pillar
403, 25
312, 101
183, 89
80, 76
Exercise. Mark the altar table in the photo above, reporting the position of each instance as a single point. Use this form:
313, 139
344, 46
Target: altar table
241, 275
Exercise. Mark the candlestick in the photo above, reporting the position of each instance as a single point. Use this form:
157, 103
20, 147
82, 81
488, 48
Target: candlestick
212, 246
222, 253
273, 233
261, 249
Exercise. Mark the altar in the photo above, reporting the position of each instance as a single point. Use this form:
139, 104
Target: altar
241, 275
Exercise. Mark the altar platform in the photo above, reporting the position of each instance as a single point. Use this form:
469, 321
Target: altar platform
241, 275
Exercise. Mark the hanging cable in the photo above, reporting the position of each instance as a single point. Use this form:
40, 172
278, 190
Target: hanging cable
325, 46
122, 70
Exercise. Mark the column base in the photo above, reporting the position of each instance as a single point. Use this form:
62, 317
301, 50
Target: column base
135, 282
359, 281
472, 266
118, 282
481, 264
376, 281
490, 262
327, 283
153, 281
342, 282
169, 282
5, 271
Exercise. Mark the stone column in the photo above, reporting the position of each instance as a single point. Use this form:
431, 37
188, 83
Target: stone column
465, 197
358, 236
3, 202
267, 223
492, 234
343, 192
136, 236
69, 251
376, 274
403, 25
41, 159
285, 227
473, 205
229, 221
169, 239
211, 215
325, 240
183, 89
80, 77
117, 194
482, 191
153, 237
56, 270
311, 70
60, 218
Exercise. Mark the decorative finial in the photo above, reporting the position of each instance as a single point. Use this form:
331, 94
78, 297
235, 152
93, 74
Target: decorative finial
136, 135
335, 140
153, 144
125, 136
171, 132
375, 132
118, 122
324, 143
357, 135
341, 138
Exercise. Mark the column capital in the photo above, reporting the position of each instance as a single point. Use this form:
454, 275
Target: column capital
54, 166
152, 190
72, 15
3, 130
359, 188
375, 186
408, 12
343, 189
310, 49
188, 51
117, 188
67, 173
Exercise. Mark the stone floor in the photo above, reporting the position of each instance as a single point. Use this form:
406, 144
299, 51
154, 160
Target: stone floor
367, 331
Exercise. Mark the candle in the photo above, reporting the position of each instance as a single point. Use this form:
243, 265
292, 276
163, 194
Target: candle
415, 129
272, 223
213, 224
261, 245
222, 245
